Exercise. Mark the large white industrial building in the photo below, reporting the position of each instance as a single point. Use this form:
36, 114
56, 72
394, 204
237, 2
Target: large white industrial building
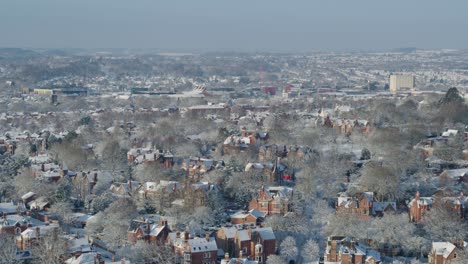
401, 82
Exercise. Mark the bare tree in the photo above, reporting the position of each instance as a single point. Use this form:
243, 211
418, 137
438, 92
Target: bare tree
8, 249
310, 252
117, 220
202, 216
275, 259
443, 224
151, 172
62, 211
146, 253
379, 178
50, 249
71, 153
114, 156
25, 181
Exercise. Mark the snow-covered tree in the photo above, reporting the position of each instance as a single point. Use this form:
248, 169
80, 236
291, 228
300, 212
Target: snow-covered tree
288, 248
310, 252
275, 259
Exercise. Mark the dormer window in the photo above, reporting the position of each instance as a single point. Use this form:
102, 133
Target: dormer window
17, 230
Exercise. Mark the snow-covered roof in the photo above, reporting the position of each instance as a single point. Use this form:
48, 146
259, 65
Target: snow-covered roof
31, 233
199, 244
230, 232
455, 173
450, 132
243, 235
443, 248
27, 195
266, 233
257, 213
10, 208
85, 258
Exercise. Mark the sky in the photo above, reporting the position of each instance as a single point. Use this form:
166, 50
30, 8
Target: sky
235, 25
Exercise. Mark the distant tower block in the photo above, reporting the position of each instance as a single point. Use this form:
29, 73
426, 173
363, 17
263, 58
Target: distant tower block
401, 83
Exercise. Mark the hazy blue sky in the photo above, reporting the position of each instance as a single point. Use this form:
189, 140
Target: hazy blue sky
235, 25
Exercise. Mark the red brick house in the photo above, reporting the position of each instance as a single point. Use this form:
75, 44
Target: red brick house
254, 243
225, 239
346, 250
147, 231
190, 249
365, 205
419, 205
234, 144
13, 224
272, 200
32, 235
459, 205
443, 253
129, 188
196, 194
274, 172
197, 167
145, 155
252, 217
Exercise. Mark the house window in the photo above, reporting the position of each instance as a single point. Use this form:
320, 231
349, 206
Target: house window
277, 206
454, 255
18, 230
207, 255
187, 256
258, 258
264, 204
259, 249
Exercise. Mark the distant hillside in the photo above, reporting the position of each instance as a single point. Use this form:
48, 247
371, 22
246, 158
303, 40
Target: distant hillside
17, 53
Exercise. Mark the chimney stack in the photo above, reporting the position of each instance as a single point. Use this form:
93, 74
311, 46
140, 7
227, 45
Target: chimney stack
207, 236
186, 235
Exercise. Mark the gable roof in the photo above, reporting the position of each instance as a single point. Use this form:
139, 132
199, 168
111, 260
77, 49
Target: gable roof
443, 248
266, 233
229, 232
199, 244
